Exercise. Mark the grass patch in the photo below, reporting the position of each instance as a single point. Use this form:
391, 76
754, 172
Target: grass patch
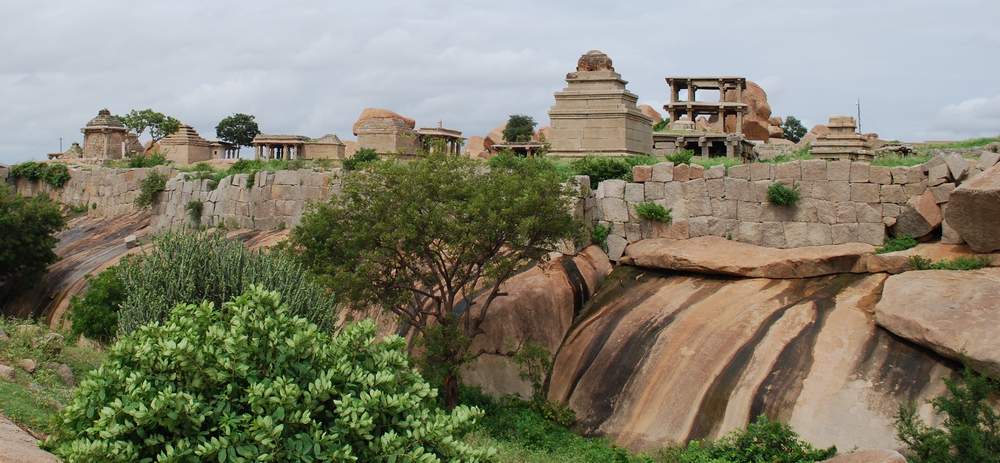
652, 211
901, 161
968, 143
899, 243
681, 157
32, 400
717, 161
958, 263
780, 194
801, 154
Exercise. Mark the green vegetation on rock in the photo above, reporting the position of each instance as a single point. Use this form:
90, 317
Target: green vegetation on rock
652, 211
360, 159
52, 173
958, 263
899, 243
249, 381
681, 157
762, 441
519, 128
780, 194
27, 238
149, 187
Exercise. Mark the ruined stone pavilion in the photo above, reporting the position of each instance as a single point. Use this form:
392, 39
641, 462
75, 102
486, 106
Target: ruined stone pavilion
708, 135
287, 147
386, 132
439, 140
596, 114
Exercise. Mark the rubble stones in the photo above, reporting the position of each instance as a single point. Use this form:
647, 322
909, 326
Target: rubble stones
973, 211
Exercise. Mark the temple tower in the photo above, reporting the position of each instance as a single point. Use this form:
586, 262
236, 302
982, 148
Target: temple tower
104, 137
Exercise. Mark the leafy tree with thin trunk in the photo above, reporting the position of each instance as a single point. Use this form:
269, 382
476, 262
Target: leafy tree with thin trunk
238, 129
156, 124
793, 129
27, 238
432, 241
519, 128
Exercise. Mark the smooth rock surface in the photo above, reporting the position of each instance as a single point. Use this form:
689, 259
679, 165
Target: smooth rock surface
17, 446
955, 313
718, 256
974, 210
868, 456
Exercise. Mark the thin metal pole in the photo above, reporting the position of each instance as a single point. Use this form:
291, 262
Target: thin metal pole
859, 115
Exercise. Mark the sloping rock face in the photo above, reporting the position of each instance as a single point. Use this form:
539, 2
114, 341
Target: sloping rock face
17, 446
659, 358
651, 113
955, 313
974, 211
538, 309
719, 256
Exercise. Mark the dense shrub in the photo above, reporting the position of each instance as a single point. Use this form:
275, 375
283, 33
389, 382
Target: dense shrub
792, 129
152, 160
661, 126
95, 313
681, 157
599, 235
971, 428
193, 266
54, 174
763, 441
780, 194
154, 183
899, 243
194, 209
27, 238
251, 382
958, 263
652, 211
361, 158
601, 168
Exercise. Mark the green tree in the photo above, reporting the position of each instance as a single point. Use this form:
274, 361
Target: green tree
156, 124
793, 129
238, 129
971, 431
415, 238
27, 238
248, 381
519, 128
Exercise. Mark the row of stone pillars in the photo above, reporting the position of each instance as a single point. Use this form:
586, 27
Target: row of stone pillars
277, 151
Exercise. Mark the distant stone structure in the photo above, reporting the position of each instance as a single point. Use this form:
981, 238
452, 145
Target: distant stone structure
185, 146
271, 146
73, 152
104, 137
596, 114
439, 140
841, 141
386, 132
708, 128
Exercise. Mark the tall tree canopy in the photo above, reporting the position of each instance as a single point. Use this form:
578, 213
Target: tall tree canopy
27, 238
238, 129
156, 124
793, 129
417, 238
519, 128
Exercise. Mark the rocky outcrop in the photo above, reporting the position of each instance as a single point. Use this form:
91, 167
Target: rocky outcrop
919, 217
17, 446
659, 358
868, 456
974, 210
538, 309
651, 113
718, 256
954, 313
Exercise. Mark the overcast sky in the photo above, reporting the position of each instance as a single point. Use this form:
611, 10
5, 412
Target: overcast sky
923, 69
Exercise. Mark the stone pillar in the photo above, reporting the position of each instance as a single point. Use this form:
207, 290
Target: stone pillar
674, 92
722, 119
690, 92
705, 145
739, 122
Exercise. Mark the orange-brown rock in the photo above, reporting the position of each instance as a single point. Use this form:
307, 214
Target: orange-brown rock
662, 358
594, 60
774, 131
952, 312
543, 134
715, 255
651, 113
974, 210
775, 120
494, 137
17, 446
919, 217
817, 131
539, 308
369, 114
474, 146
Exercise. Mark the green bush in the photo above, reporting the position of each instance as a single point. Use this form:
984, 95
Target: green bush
763, 441
152, 160
54, 174
600, 168
971, 428
27, 238
681, 157
661, 126
780, 194
652, 211
251, 382
599, 235
154, 183
194, 209
899, 243
361, 158
958, 263
193, 266
94, 314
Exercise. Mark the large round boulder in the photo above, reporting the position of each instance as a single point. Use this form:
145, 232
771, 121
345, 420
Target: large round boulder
974, 210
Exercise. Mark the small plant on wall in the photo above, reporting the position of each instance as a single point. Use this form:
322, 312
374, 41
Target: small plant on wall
652, 211
194, 209
780, 194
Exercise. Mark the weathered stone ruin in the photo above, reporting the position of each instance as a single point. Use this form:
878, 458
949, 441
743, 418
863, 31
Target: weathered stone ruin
273, 146
440, 140
596, 114
386, 132
185, 146
104, 137
840, 140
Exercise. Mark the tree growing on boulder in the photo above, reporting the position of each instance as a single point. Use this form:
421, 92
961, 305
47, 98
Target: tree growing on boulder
249, 381
520, 128
238, 129
156, 124
423, 239
793, 129
27, 238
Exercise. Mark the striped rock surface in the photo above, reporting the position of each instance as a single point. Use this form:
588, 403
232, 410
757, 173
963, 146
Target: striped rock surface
660, 358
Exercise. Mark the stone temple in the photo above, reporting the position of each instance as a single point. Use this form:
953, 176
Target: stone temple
596, 114
104, 137
842, 141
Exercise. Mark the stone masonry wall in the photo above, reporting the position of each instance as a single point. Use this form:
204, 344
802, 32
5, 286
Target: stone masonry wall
105, 192
274, 200
842, 202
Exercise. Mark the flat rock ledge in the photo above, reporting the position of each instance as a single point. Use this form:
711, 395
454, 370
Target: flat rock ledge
954, 313
868, 456
718, 256
16, 445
